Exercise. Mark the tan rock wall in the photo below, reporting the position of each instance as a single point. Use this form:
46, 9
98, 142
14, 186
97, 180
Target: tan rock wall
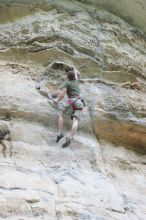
102, 174
132, 11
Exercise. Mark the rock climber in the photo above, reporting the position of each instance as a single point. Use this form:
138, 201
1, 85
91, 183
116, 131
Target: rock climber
74, 102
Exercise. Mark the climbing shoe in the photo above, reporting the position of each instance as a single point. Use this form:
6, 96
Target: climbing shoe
67, 143
59, 137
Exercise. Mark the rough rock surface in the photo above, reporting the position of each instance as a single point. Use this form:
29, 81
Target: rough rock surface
132, 11
102, 174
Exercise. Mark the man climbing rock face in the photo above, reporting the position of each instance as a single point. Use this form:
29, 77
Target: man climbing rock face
71, 89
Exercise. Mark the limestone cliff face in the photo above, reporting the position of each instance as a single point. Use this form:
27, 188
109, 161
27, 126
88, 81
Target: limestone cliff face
102, 174
132, 11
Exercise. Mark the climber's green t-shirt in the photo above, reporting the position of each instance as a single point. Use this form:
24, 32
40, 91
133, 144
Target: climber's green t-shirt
72, 88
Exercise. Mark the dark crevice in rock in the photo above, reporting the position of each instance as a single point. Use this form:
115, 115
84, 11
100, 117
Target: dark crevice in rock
115, 210
24, 189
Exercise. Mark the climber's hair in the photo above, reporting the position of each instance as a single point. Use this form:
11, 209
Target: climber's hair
71, 75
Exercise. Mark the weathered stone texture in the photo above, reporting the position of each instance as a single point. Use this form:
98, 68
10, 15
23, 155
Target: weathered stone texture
102, 174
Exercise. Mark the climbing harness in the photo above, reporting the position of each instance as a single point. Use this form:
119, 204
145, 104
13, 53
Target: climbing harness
72, 102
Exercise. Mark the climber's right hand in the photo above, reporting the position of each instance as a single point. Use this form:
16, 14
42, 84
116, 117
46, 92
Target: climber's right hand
55, 102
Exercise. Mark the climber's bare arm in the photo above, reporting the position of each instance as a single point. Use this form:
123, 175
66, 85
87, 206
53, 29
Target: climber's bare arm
77, 73
61, 96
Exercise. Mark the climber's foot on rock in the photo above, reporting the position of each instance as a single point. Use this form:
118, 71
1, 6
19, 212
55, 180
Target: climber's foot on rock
67, 142
59, 137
